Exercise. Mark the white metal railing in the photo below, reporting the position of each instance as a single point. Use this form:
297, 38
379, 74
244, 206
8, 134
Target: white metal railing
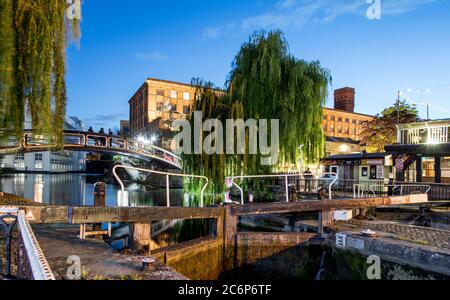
286, 182
123, 194
38, 264
359, 191
394, 186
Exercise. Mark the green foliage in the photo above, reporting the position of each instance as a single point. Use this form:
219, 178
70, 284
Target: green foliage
273, 84
266, 82
32, 65
382, 131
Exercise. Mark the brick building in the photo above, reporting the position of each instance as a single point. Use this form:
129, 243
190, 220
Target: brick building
342, 126
155, 105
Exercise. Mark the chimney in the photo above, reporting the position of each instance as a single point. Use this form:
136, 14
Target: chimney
344, 99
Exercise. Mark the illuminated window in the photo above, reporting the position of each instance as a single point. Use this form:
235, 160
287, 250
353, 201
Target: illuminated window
173, 94
38, 166
186, 96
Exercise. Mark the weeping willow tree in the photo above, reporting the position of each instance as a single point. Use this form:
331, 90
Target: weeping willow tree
273, 84
34, 35
266, 82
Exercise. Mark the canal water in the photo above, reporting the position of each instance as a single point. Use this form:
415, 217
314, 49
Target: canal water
78, 190
74, 189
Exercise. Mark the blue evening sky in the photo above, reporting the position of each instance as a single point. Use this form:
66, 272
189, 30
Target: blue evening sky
125, 42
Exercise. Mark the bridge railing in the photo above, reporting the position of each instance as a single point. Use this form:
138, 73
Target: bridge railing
74, 139
31, 262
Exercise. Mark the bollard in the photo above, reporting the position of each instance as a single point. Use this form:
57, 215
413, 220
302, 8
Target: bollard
99, 200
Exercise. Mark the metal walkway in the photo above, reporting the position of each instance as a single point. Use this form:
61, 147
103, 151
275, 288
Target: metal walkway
93, 142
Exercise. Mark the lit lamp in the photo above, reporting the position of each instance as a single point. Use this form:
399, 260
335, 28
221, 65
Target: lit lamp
344, 148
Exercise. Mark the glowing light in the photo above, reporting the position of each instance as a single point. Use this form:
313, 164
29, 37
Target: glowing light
344, 148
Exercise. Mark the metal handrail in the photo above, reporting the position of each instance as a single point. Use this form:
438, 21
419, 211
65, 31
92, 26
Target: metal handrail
167, 174
39, 266
371, 189
81, 136
128, 145
285, 176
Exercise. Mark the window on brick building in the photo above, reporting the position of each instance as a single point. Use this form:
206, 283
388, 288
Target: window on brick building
340, 120
173, 94
159, 105
186, 109
186, 96
160, 92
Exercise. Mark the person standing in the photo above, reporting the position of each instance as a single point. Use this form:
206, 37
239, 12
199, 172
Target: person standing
308, 175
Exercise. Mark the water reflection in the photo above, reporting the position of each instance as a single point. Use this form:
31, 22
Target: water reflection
78, 190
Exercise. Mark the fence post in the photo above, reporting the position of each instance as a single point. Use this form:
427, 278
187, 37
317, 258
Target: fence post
287, 188
326, 219
230, 236
140, 236
168, 190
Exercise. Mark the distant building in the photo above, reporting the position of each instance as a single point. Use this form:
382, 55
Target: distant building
422, 151
124, 128
48, 162
154, 107
360, 166
342, 126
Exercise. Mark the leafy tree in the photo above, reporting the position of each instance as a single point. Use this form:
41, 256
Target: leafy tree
382, 131
33, 35
266, 82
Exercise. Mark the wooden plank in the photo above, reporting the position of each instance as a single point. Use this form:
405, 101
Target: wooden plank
91, 215
304, 206
83, 215
47, 214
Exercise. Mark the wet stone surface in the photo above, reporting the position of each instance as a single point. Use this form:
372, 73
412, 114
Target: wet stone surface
98, 260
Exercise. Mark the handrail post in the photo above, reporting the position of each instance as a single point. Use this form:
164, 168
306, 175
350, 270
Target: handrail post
287, 187
168, 189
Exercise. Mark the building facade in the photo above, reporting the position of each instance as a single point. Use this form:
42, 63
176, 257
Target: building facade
341, 125
423, 151
360, 166
158, 103
124, 128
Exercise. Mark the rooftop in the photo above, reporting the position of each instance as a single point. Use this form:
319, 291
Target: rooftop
357, 156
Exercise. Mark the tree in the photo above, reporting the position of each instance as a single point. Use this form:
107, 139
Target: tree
34, 35
273, 84
382, 130
266, 82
